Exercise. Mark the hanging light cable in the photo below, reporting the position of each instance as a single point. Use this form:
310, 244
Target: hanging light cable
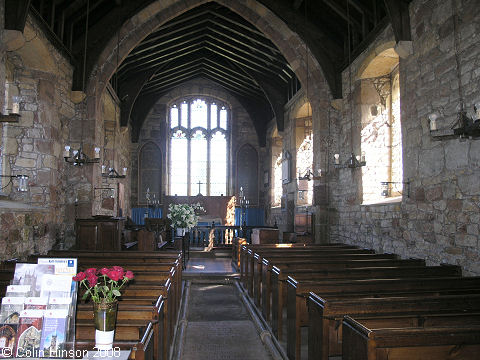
112, 173
78, 157
353, 161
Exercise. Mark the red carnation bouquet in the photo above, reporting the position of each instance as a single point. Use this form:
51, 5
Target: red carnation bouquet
103, 285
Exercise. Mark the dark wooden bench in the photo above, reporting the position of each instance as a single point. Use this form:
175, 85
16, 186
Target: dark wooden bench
253, 272
272, 270
258, 256
325, 313
132, 322
279, 279
246, 249
365, 341
298, 291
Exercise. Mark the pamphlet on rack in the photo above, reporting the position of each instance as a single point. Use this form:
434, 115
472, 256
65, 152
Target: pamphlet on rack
37, 314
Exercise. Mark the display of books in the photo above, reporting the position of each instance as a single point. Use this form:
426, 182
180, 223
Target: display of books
18, 290
11, 309
37, 315
54, 331
8, 339
32, 274
39, 303
29, 333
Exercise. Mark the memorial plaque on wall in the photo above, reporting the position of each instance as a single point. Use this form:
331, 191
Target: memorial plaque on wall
150, 172
247, 173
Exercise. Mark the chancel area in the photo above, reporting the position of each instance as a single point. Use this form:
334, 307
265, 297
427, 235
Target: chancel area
286, 178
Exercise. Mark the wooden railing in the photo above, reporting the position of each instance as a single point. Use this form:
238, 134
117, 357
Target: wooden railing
221, 235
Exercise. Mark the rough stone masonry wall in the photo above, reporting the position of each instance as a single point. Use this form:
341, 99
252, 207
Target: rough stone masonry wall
440, 220
154, 129
33, 222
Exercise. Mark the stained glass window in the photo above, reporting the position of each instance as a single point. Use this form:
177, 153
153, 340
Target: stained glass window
198, 154
213, 116
198, 163
184, 112
198, 114
178, 165
218, 169
173, 116
223, 118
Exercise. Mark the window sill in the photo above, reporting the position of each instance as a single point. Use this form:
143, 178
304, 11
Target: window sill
385, 201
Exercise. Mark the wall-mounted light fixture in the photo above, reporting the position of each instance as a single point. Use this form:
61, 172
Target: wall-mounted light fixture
78, 157
112, 173
352, 162
309, 175
22, 182
11, 115
466, 126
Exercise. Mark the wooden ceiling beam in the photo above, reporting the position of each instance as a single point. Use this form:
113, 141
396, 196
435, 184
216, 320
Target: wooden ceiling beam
16, 12
166, 38
154, 55
399, 15
247, 55
228, 54
155, 62
296, 4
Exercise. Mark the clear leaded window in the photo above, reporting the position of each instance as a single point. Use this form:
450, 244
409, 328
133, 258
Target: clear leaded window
199, 146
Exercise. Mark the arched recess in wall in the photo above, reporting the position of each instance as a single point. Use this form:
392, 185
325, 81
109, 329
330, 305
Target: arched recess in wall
157, 13
304, 154
247, 173
149, 173
381, 135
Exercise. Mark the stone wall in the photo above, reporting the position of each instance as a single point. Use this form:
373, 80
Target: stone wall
154, 129
438, 219
34, 221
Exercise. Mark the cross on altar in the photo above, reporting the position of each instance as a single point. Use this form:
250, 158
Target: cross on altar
199, 191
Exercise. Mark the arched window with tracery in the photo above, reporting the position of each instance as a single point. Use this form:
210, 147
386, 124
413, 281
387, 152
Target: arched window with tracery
199, 147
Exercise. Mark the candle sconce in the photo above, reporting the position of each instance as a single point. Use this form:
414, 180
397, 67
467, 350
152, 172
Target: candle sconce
466, 126
352, 162
310, 176
11, 115
112, 173
387, 187
22, 182
78, 157
9, 118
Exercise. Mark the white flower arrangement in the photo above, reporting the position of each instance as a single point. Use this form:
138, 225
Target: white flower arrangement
183, 215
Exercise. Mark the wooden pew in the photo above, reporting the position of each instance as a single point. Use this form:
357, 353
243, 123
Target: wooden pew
237, 242
246, 249
272, 271
255, 272
154, 278
363, 340
297, 293
258, 256
280, 278
132, 321
325, 313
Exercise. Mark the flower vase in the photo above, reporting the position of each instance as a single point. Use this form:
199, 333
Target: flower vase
180, 232
105, 316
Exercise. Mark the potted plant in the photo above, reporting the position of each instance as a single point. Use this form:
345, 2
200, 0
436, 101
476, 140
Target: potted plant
183, 216
103, 286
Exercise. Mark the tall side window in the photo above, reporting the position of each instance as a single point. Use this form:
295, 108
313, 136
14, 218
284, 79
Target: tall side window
277, 159
198, 147
381, 135
304, 156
